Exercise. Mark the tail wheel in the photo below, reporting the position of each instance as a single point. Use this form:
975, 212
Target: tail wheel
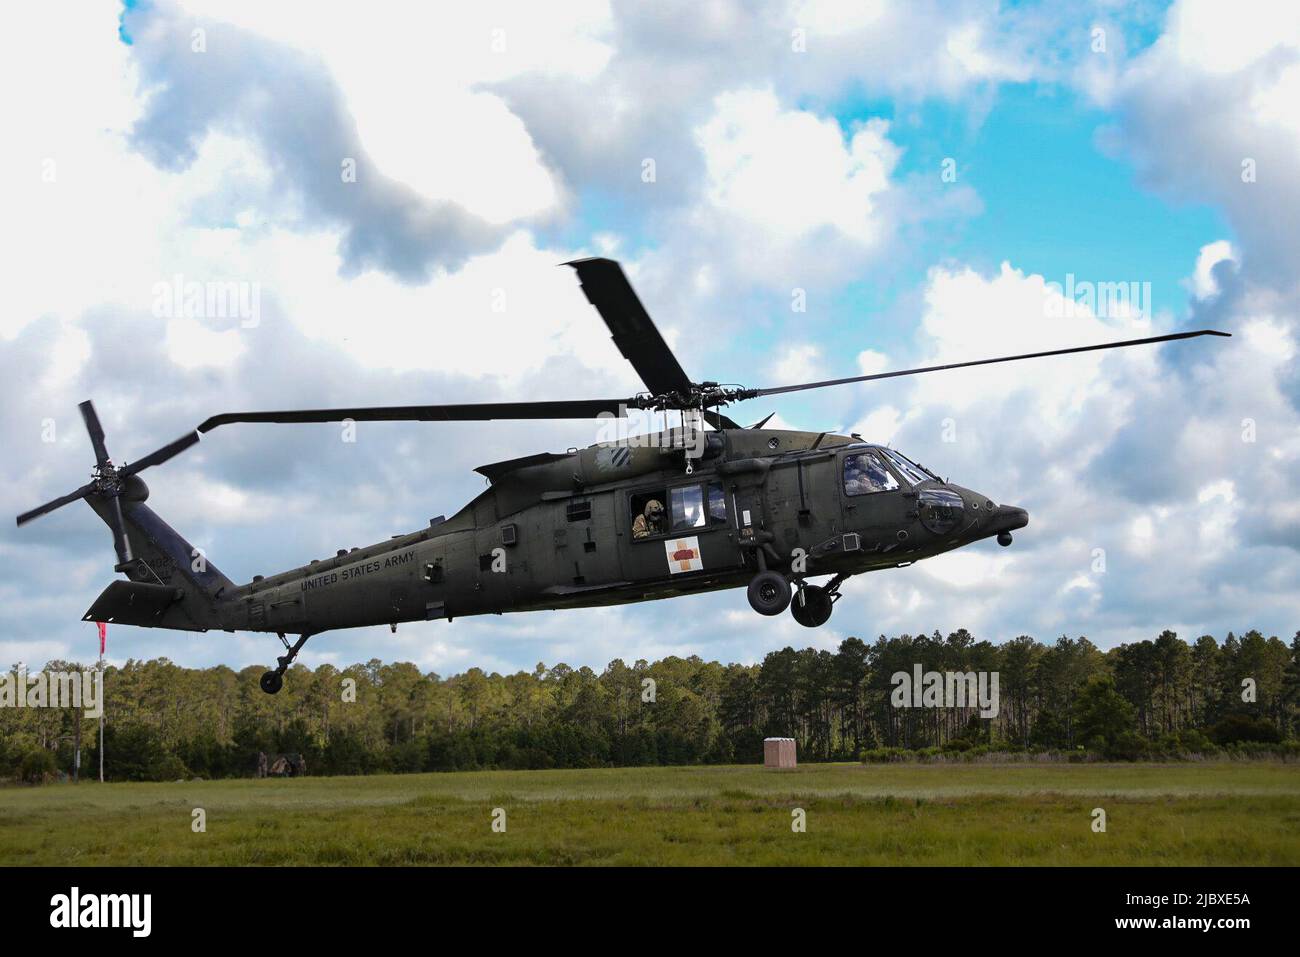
812, 606
769, 593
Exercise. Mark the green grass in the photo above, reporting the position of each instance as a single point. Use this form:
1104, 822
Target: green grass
1163, 814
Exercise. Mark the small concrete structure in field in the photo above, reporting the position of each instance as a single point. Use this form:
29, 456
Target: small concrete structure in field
778, 753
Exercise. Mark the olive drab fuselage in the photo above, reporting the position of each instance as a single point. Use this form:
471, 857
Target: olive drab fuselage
555, 531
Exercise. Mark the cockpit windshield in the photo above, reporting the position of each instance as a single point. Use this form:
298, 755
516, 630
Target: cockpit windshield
909, 469
863, 474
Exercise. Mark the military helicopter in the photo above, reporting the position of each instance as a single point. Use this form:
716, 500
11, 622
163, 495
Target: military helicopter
681, 511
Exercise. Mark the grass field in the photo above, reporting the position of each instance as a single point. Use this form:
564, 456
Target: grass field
1160, 814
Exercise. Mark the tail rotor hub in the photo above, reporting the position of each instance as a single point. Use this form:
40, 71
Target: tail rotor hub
107, 480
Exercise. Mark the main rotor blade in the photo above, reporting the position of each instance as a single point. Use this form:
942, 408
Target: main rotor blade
50, 506
95, 429
631, 327
160, 455
778, 390
473, 412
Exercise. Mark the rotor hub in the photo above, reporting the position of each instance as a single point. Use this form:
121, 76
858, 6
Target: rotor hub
700, 395
107, 480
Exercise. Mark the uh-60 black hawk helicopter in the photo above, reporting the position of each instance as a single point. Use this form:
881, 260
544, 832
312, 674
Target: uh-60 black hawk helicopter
686, 511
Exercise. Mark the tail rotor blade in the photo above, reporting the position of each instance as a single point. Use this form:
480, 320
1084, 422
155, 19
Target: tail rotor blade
161, 455
26, 517
96, 431
120, 543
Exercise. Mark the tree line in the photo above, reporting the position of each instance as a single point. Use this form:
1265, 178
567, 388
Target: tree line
1161, 697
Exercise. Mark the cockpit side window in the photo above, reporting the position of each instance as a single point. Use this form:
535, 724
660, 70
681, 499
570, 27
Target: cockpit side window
864, 474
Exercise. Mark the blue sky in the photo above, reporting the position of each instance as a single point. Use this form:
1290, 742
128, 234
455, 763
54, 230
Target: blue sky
204, 138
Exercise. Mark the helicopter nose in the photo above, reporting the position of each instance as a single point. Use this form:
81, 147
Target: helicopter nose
1007, 518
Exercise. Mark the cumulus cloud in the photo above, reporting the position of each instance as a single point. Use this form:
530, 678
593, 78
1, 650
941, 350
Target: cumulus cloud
206, 75
797, 363
668, 63
1212, 256
790, 173
1208, 112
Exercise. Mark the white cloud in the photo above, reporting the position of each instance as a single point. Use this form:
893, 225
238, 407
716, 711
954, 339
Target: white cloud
790, 172
525, 309
838, 16
871, 362
966, 47
970, 569
1220, 86
797, 362
880, 425
968, 316
1207, 35
488, 165
67, 357
192, 346
1271, 338
1203, 283
409, 79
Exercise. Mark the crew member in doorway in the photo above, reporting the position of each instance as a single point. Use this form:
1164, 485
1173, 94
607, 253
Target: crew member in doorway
650, 521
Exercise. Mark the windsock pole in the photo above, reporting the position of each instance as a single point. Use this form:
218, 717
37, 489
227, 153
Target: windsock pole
103, 638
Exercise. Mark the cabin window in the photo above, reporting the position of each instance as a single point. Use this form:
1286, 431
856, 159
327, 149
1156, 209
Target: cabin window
717, 504
697, 506
864, 474
678, 509
577, 511
687, 507
649, 516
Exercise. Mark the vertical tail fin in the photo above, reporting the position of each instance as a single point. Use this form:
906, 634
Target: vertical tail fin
173, 585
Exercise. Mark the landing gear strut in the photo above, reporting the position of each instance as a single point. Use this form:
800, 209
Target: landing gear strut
272, 681
812, 604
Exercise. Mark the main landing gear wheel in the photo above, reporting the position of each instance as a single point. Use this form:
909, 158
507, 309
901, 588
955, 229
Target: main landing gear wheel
769, 593
812, 606
272, 681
